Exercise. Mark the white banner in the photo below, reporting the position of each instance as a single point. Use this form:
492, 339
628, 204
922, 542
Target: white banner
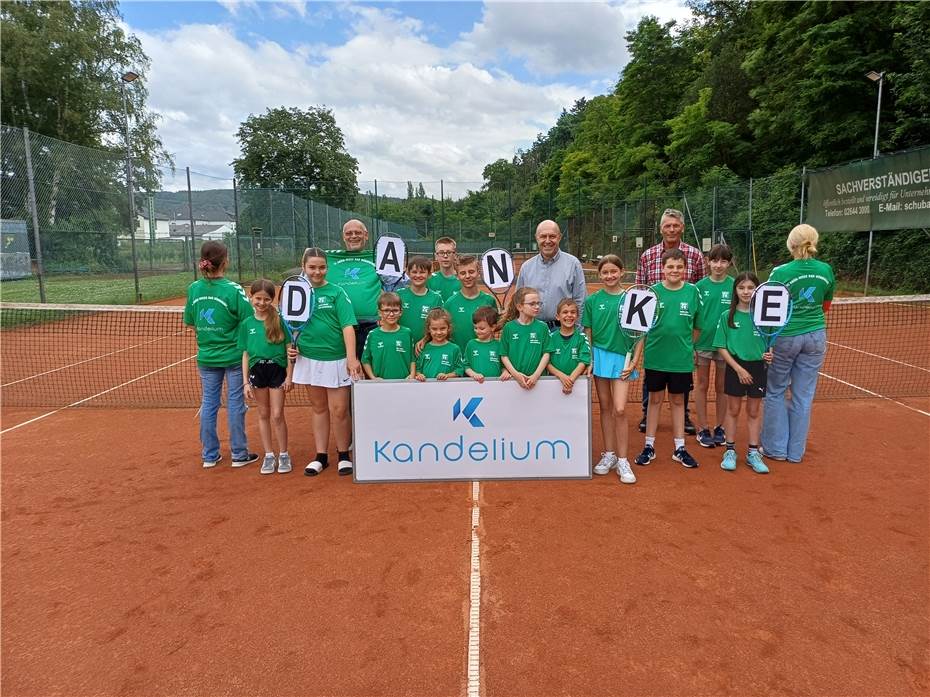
770, 305
460, 429
497, 269
638, 310
296, 300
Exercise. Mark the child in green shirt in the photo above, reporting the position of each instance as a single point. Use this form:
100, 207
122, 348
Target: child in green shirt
670, 355
569, 351
440, 359
388, 353
462, 305
524, 338
416, 300
483, 353
445, 281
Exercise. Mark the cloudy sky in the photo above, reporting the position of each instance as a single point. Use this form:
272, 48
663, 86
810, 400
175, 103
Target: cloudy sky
423, 91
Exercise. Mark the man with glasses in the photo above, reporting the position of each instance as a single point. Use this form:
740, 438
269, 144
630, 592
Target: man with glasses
649, 272
353, 269
552, 272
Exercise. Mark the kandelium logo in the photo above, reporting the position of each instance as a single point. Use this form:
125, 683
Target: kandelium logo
468, 412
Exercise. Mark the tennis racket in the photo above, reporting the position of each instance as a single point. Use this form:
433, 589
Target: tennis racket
298, 301
390, 262
637, 314
770, 309
497, 273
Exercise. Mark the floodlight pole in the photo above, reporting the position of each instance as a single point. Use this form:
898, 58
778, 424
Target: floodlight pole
126, 78
878, 113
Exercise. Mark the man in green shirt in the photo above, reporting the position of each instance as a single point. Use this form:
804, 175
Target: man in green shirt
353, 269
445, 281
462, 305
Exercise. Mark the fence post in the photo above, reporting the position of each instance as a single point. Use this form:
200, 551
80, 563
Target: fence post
312, 238
510, 216
132, 216
236, 213
752, 243
377, 225
33, 209
713, 219
868, 266
442, 208
190, 212
803, 181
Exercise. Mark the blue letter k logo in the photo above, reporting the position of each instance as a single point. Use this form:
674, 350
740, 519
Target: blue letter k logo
207, 316
807, 294
468, 412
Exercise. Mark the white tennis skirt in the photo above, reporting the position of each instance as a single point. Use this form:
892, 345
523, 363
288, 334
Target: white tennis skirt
309, 371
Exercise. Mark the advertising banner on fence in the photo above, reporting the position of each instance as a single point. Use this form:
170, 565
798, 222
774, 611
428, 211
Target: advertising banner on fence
888, 193
460, 429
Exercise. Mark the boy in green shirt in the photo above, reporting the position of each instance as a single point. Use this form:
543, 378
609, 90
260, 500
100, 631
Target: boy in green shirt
417, 300
445, 281
716, 291
670, 355
483, 353
462, 305
388, 353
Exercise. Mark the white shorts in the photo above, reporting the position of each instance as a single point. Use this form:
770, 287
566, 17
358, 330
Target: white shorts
309, 371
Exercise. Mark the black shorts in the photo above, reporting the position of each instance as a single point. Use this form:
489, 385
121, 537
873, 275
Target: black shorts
362, 329
267, 374
660, 380
734, 388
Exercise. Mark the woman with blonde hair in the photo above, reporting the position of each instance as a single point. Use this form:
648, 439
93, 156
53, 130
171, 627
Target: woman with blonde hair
799, 350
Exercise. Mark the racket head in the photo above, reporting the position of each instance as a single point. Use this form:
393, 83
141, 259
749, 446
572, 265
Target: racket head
770, 309
638, 311
297, 304
391, 261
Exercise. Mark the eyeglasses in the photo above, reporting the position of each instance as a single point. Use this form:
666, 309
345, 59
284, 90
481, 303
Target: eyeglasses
390, 310
533, 304
444, 254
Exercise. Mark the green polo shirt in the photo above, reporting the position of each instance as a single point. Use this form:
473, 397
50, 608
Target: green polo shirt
446, 286
715, 300
461, 309
601, 313
254, 341
811, 283
669, 345
321, 338
446, 358
484, 357
356, 274
566, 352
524, 344
742, 340
215, 307
415, 308
389, 354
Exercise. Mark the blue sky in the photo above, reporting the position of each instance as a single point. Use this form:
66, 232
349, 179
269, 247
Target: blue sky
422, 90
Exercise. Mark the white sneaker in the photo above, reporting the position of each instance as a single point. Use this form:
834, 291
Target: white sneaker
607, 462
267, 465
624, 472
284, 464
344, 467
207, 464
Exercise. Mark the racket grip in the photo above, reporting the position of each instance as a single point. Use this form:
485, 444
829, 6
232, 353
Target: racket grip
626, 361
293, 346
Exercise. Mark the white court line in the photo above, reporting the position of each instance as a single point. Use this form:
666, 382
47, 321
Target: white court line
99, 394
474, 610
875, 355
875, 394
88, 360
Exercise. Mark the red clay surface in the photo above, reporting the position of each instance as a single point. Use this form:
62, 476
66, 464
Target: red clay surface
129, 570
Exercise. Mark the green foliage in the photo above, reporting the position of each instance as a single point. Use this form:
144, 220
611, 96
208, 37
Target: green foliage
300, 151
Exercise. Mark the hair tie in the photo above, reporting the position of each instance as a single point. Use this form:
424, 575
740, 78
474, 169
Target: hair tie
205, 265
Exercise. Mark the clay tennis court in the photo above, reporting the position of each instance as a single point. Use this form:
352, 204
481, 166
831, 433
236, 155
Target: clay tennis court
129, 570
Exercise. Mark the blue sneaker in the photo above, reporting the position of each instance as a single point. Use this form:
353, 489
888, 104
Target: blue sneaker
645, 457
720, 436
729, 461
684, 457
754, 460
705, 438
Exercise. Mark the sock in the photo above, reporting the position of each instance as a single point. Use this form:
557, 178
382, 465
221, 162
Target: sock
753, 448
731, 445
679, 443
322, 458
609, 452
269, 454
284, 453
344, 455
651, 441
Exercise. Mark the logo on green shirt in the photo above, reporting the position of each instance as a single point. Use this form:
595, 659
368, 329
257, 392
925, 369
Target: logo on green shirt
207, 316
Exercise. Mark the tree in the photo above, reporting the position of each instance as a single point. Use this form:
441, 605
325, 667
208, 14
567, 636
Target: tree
301, 151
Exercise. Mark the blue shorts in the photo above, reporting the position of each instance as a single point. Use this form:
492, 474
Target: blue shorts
608, 364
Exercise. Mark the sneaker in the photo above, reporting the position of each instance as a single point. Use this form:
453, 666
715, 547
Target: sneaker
689, 427
314, 468
729, 461
246, 459
624, 472
754, 460
705, 438
607, 462
267, 465
645, 457
344, 467
770, 457
207, 464
720, 436
684, 457
642, 425
284, 464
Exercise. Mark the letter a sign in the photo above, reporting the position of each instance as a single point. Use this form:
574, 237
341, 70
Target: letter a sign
638, 311
390, 258
497, 269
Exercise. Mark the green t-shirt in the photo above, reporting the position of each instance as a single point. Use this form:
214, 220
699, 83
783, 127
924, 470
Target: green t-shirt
414, 309
715, 300
566, 352
389, 353
215, 307
524, 344
356, 274
461, 309
254, 341
446, 286
434, 360
669, 346
484, 357
743, 341
811, 283
321, 339
601, 314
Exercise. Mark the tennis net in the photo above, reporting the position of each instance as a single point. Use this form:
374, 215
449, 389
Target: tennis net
125, 356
